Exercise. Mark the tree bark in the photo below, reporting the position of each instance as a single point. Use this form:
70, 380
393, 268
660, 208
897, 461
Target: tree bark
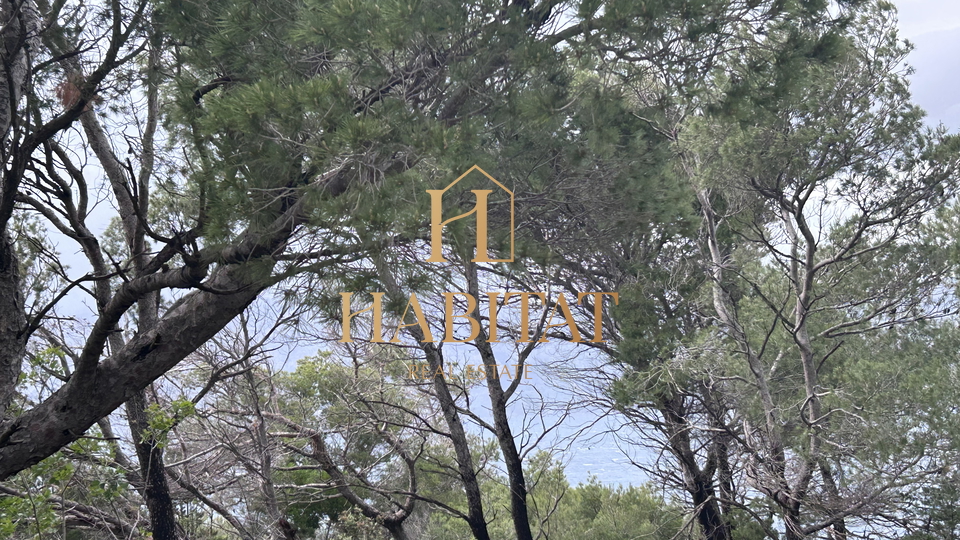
397, 531
78, 404
697, 482
501, 422
458, 435
163, 523
13, 323
18, 36
19, 32
149, 450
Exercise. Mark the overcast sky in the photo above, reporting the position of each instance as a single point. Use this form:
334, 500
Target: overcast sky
933, 26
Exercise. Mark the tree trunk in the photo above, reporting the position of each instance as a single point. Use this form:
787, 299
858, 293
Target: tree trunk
708, 512
13, 323
697, 482
501, 422
458, 435
18, 35
156, 491
791, 522
78, 404
397, 531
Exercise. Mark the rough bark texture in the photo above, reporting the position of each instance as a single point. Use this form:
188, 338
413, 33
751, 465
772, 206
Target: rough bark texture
163, 522
398, 532
18, 35
18, 32
13, 323
80, 402
458, 436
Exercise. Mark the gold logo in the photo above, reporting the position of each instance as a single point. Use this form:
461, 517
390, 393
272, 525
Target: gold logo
437, 223
528, 333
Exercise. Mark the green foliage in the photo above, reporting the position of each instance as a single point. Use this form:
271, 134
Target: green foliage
835, 241
39, 514
607, 121
591, 510
161, 420
595, 510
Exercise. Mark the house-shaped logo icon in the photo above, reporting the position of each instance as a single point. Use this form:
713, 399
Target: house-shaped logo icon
437, 222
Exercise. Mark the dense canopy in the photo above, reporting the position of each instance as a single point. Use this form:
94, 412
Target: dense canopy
191, 189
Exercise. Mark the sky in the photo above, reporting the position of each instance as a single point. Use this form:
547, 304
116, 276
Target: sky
933, 26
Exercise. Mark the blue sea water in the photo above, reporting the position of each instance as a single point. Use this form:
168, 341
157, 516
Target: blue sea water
603, 460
